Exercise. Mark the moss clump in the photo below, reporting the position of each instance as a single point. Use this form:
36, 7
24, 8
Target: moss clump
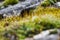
48, 3
10, 2
54, 32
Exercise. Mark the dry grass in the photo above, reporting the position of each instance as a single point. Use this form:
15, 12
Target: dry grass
40, 14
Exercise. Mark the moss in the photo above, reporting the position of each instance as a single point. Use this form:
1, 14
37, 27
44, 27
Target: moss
53, 32
45, 4
10, 2
39, 20
48, 3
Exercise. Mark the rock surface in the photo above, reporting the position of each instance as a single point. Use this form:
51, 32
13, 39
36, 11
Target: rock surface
16, 9
45, 36
57, 4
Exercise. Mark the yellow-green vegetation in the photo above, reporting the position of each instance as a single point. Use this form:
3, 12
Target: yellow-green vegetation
6, 3
10, 2
39, 19
48, 2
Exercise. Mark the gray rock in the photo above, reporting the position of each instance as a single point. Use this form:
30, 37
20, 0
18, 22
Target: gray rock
57, 4
45, 36
16, 9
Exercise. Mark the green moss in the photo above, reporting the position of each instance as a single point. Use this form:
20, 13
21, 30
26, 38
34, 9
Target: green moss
10, 2
48, 3
54, 32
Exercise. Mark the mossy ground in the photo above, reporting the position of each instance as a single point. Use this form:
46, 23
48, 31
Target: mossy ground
32, 23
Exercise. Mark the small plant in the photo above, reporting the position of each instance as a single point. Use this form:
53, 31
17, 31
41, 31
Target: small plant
45, 4
48, 3
53, 32
9, 2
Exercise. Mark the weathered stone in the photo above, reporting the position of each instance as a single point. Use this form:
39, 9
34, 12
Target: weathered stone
16, 9
57, 4
45, 36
